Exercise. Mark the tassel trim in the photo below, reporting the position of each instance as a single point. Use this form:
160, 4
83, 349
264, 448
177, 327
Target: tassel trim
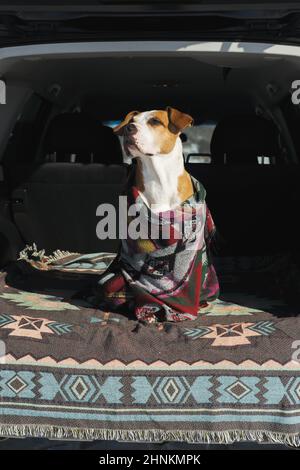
154, 436
31, 254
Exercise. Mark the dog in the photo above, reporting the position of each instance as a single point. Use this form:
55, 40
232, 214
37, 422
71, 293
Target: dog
153, 139
154, 278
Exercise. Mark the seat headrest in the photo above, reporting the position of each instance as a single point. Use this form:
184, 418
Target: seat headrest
81, 135
241, 139
110, 150
72, 133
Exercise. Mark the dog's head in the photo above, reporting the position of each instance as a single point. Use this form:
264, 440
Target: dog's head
152, 132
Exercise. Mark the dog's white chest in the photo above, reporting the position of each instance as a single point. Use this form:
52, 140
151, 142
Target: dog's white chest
160, 176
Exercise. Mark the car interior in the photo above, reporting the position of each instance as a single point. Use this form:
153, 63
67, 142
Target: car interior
59, 147
60, 158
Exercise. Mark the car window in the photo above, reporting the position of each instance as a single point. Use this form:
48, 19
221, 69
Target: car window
196, 142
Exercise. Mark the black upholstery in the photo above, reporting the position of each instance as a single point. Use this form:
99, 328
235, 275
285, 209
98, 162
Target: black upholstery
80, 135
56, 207
110, 151
250, 202
239, 140
55, 204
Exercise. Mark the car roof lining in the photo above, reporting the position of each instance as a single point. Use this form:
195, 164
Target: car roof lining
204, 83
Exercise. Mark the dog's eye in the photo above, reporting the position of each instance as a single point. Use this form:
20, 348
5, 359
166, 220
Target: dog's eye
155, 122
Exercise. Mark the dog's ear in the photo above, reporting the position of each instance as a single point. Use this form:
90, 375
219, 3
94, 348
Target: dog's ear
119, 129
178, 120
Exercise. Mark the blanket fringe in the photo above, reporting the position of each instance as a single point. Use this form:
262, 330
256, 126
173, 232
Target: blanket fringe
154, 436
31, 253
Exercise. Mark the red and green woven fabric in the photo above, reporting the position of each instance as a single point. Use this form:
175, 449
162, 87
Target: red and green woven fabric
166, 273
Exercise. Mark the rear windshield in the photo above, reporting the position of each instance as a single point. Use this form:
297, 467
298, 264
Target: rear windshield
196, 142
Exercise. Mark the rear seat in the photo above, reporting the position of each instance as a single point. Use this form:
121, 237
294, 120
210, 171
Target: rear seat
83, 139
56, 206
251, 203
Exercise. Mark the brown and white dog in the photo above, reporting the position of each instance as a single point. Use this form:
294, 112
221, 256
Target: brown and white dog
153, 277
153, 138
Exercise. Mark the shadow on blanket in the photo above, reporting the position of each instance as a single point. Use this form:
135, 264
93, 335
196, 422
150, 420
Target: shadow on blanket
246, 284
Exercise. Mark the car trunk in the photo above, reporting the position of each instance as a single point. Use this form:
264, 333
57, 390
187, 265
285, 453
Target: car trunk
233, 93
53, 180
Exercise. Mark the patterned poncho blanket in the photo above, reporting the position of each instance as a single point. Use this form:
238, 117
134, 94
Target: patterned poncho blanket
163, 272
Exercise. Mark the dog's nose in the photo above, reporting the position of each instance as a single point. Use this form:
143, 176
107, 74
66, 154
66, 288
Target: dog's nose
131, 128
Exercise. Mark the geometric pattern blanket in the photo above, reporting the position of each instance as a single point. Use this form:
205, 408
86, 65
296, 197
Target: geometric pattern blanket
71, 371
